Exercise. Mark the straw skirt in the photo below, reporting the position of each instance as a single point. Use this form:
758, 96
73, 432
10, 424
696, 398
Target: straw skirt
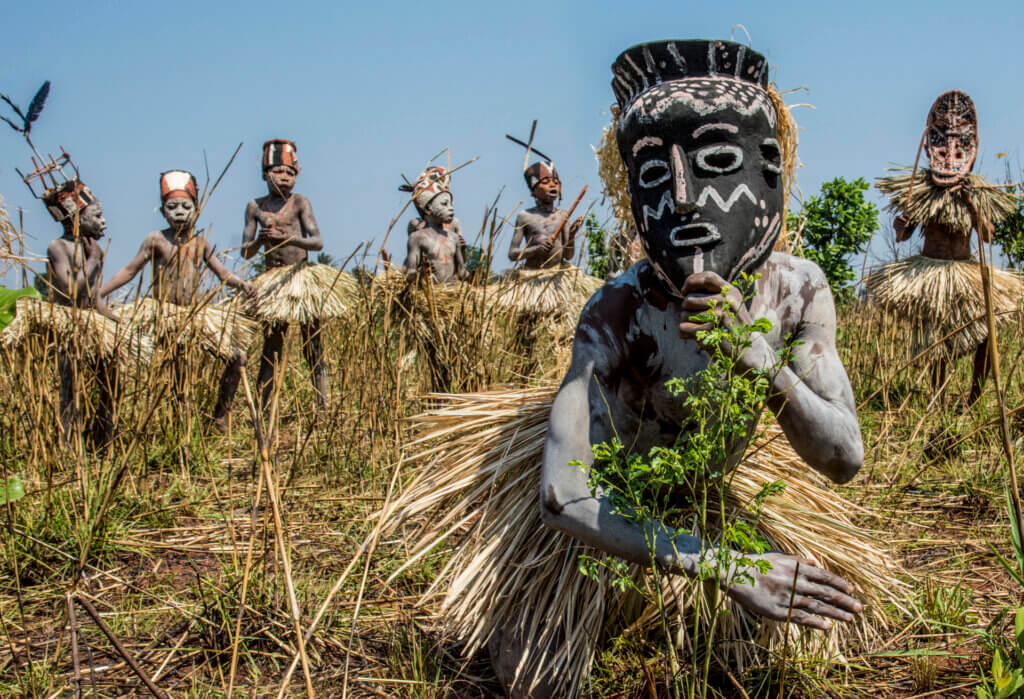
476, 490
937, 297
301, 293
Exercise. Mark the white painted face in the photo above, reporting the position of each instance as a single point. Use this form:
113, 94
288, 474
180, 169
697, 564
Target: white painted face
178, 211
441, 208
91, 223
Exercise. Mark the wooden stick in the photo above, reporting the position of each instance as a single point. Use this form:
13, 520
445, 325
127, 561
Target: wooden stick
75, 663
568, 214
122, 651
268, 476
993, 354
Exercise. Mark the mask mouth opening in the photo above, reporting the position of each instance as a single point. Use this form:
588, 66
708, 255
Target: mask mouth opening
694, 234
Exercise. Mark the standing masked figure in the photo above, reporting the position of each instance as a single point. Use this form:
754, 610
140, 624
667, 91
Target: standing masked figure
940, 290
176, 311
291, 291
435, 238
699, 136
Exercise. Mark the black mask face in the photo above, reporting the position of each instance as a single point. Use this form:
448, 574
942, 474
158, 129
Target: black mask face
705, 175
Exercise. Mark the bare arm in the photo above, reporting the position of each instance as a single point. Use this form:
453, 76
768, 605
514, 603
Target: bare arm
311, 241
222, 272
412, 256
566, 501
567, 504
903, 229
811, 395
460, 251
130, 270
569, 231
517, 250
250, 243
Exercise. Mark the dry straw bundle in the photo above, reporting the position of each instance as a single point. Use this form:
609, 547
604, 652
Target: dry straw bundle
559, 293
929, 203
79, 331
478, 459
219, 329
939, 296
302, 293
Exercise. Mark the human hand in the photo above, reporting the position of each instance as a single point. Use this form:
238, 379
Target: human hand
249, 289
819, 595
544, 248
706, 292
575, 227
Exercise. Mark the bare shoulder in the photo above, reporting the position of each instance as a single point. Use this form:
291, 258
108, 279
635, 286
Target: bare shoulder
58, 247
303, 201
798, 290
607, 321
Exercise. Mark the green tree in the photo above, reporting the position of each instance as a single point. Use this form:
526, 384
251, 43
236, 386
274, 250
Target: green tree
597, 247
837, 224
1009, 233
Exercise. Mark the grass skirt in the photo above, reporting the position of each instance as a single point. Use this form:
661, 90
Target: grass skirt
220, 329
301, 293
559, 293
938, 296
77, 331
477, 459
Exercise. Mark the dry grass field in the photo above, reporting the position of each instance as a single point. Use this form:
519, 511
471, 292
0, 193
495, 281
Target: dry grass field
204, 558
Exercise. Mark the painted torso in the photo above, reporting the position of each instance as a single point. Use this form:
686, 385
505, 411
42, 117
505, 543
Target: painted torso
76, 275
437, 247
282, 216
537, 226
178, 263
634, 329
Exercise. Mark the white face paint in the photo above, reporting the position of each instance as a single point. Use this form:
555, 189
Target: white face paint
441, 208
178, 211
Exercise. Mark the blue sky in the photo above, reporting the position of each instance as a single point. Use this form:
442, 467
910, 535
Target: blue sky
373, 90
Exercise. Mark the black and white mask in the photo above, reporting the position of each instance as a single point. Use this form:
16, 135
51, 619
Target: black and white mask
705, 174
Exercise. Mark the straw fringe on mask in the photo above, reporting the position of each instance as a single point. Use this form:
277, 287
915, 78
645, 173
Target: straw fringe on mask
476, 489
301, 293
938, 296
930, 203
78, 331
220, 329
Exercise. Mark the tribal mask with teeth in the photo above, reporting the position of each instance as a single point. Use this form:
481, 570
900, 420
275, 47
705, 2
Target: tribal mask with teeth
697, 133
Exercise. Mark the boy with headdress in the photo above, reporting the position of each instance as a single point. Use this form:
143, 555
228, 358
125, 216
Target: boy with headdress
175, 310
940, 290
543, 238
74, 315
699, 134
291, 290
435, 239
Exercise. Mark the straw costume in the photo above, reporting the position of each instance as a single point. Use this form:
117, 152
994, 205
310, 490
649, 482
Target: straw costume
477, 462
74, 320
497, 477
434, 314
940, 290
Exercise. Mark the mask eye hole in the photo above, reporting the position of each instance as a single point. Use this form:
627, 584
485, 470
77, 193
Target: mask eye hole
771, 156
653, 173
720, 159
